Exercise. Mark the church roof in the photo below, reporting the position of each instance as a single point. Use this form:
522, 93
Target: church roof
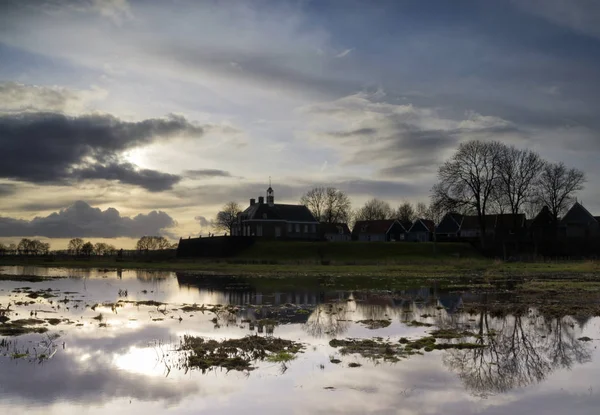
283, 212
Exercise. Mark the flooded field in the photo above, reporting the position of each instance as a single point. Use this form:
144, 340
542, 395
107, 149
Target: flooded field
95, 341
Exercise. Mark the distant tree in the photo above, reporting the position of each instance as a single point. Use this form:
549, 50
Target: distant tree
375, 209
3, 248
557, 187
87, 248
518, 173
405, 212
327, 204
75, 246
25, 246
101, 248
469, 179
33, 247
152, 243
422, 211
227, 217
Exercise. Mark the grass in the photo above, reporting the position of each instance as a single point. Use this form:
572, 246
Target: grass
236, 354
266, 258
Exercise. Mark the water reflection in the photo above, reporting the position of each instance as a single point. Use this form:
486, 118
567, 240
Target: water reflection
521, 350
128, 359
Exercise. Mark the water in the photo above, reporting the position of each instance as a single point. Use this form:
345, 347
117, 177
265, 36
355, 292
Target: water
128, 361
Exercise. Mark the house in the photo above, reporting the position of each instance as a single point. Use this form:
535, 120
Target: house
449, 226
421, 231
276, 220
470, 226
335, 232
542, 227
578, 222
497, 226
378, 230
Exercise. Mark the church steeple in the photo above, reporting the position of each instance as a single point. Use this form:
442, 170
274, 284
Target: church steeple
270, 194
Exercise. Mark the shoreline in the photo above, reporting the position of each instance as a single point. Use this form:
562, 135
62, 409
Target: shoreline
432, 268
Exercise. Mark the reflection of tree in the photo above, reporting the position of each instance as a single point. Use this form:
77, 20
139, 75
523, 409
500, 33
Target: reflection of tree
330, 319
520, 350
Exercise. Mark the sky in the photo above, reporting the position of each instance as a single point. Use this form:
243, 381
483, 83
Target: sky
123, 118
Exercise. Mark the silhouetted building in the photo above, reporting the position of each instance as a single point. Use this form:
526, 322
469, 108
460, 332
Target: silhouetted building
378, 230
335, 232
421, 231
276, 220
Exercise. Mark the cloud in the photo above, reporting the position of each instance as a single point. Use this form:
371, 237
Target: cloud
401, 139
205, 223
344, 53
578, 15
55, 148
127, 173
17, 97
7, 189
204, 173
84, 221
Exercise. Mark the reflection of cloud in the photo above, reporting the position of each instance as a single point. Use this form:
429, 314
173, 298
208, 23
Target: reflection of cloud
85, 373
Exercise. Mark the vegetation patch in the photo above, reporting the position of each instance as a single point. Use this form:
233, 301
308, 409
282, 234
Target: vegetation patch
22, 326
236, 354
375, 324
415, 323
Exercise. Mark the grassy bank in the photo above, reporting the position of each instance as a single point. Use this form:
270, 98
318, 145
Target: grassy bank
334, 259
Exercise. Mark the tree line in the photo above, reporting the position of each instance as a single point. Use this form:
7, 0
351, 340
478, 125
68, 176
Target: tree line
78, 246
26, 247
480, 178
487, 177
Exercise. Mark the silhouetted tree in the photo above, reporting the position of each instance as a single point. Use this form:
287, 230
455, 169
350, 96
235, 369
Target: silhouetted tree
469, 179
518, 173
375, 209
405, 212
33, 247
328, 205
87, 248
101, 248
75, 245
227, 217
152, 243
557, 186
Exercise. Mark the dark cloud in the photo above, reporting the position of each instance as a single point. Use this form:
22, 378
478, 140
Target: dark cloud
55, 148
203, 221
353, 133
203, 173
127, 173
82, 220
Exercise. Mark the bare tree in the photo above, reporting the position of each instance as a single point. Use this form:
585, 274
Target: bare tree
405, 212
227, 217
152, 243
518, 172
102, 248
75, 245
375, 209
87, 248
33, 247
329, 204
422, 211
468, 179
557, 186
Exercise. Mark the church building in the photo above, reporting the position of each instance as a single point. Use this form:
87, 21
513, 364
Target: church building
276, 220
